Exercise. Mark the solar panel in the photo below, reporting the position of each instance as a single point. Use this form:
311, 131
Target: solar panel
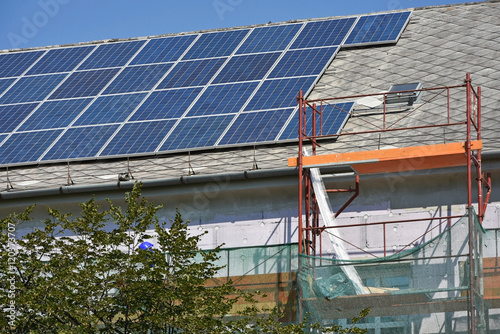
80, 84
55, 114
331, 122
213, 44
266, 39
162, 50
192, 73
110, 109
323, 33
15, 64
26, 146
247, 68
260, 126
279, 93
4, 84
137, 79
111, 55
31, 89
223, 99
166, 104
197, 132
80, 142
378, 28
200, 90
303, 62
138, 137
61, 60
11, 116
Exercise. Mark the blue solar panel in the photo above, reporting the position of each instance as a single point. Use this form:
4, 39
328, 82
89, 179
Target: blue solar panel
11, 116
247, 68
31, 89
15, 64
248, 78
81, 142
166, 104
137, 79
192, 73
279, 93
223, 99
323, 33
143, 137
61, 60
162, 50
218, 44
378, 28
4, 84
256, 127
110, 109
111, 55
26, 146
197, 132
80, 84
334, 117
303, 62
265, 39
55, 114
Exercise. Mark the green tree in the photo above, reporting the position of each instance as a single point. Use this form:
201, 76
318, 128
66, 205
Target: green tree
253, 322
75, 276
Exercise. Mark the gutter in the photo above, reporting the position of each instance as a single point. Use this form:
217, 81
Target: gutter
490, 154
128, 185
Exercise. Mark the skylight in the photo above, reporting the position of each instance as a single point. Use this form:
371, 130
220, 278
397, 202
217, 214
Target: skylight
406, 93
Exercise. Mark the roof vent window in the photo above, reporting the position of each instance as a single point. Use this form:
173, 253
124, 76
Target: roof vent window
405, 96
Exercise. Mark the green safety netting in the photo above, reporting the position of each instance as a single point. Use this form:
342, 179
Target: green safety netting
421, 290
244, 261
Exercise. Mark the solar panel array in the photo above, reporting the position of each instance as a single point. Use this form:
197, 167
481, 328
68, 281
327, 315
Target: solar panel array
233, 87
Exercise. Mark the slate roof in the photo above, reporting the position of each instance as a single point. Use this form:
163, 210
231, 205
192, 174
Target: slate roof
437, 48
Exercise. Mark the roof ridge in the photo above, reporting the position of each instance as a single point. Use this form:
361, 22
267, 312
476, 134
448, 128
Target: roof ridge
128, 39
457, 4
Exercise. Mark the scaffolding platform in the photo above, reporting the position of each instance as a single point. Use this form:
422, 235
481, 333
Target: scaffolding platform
395, 159
385, 304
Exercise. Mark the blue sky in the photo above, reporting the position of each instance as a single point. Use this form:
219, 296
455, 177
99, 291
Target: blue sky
30, 23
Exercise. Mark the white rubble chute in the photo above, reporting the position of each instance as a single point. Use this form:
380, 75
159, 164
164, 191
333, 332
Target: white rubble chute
329, 220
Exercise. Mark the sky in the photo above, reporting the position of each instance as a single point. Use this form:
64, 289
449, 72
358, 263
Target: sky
32, 23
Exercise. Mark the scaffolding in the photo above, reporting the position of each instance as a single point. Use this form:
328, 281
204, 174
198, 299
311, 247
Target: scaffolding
393, 113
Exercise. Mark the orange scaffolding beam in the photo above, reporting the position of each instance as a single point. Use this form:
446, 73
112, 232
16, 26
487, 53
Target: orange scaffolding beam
395, 159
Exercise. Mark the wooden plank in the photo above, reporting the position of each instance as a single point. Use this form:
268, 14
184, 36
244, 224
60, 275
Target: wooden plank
395, 159
384, 305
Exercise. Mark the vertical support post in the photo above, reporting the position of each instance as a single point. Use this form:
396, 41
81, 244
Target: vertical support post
316, 225
472, 280
320, 231
321, 119
468, 142
311, 234
302, 113
385, 244
384, 111
300, 99
314, 129
308, 195
480, 212
448, 102
472, 306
